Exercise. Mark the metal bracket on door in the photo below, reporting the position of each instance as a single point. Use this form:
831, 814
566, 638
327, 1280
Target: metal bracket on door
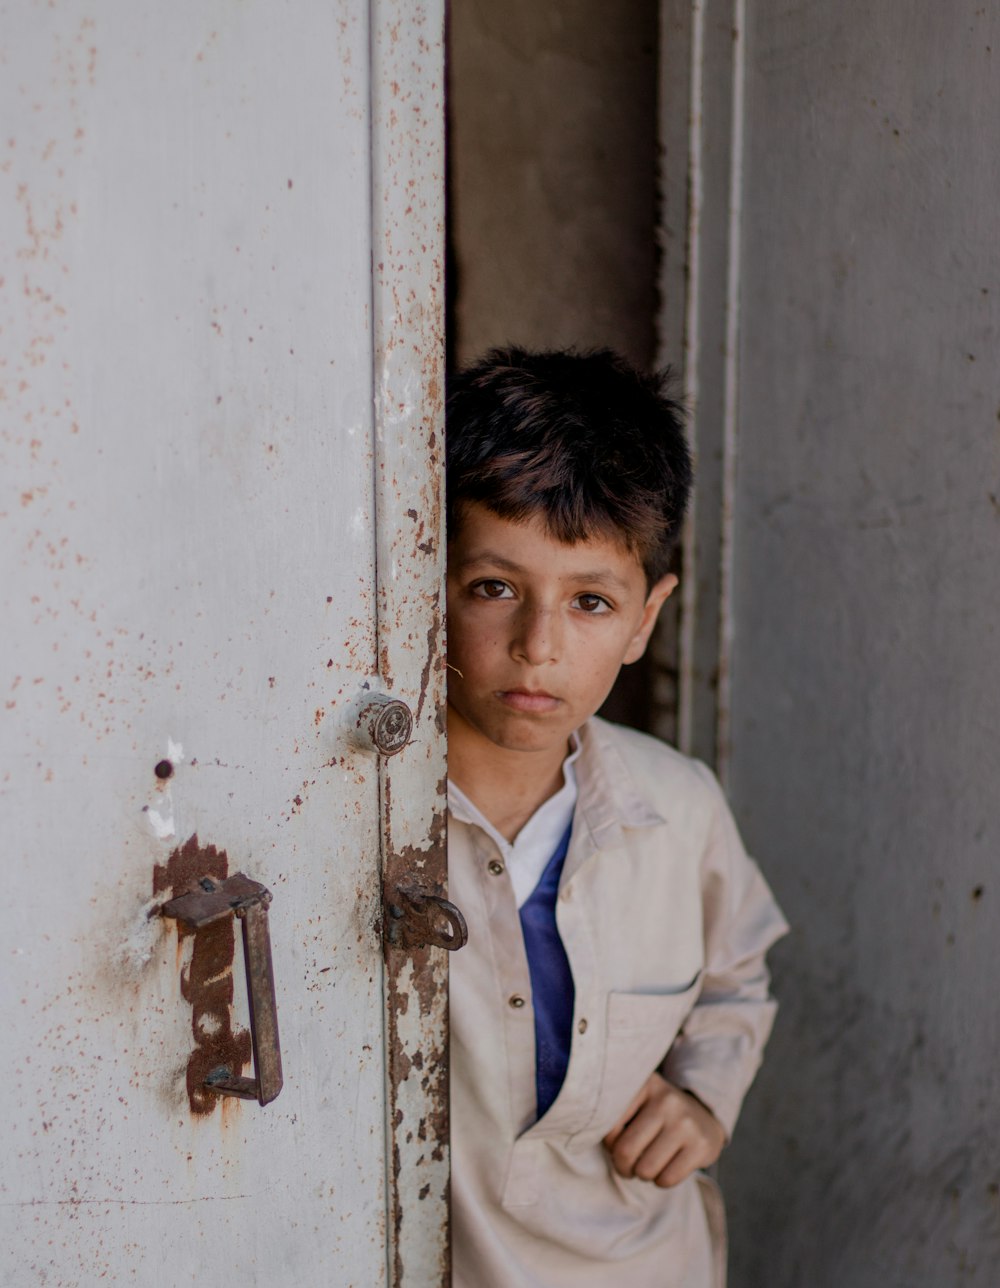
415, 919
246, 900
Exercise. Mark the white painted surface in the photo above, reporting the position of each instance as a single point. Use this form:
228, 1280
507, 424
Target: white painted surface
188, 549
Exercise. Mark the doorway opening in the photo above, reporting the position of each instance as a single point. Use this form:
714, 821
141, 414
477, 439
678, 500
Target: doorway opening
553, 200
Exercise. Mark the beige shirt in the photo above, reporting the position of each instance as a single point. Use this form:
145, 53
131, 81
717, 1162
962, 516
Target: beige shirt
665, 922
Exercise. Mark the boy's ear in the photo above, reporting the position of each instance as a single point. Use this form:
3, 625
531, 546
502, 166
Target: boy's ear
657, 597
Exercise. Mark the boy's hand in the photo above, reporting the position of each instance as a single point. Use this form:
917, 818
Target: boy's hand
664, 1135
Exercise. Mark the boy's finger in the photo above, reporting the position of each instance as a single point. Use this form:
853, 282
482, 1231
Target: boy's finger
611, 1139
638, 1100
679, 1168
646, 1127
659, 1155
623, 1123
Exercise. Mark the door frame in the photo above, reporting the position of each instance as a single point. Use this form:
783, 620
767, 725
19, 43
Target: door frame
701, 114
408, 187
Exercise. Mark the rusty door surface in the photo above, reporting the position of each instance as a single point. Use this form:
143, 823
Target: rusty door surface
220, 388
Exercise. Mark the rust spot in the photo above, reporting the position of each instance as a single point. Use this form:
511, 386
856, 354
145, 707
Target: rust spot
433, 649
207, 984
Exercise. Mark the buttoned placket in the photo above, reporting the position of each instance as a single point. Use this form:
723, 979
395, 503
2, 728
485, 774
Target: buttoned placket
597, 827
577, 1099
529, 1136
513, 978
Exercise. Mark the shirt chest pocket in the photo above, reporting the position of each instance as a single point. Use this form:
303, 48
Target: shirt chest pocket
640, 1030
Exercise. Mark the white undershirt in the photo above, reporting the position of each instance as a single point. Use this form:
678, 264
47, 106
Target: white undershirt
527, 856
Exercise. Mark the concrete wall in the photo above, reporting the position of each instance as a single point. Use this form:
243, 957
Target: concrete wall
865, 756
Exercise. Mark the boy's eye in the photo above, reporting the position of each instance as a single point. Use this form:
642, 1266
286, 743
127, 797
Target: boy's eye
492, 589
592, 603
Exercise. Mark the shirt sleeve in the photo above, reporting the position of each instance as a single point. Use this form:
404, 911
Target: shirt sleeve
720, 1046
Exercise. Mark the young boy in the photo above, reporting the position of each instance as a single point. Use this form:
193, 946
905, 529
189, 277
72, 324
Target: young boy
611, 1006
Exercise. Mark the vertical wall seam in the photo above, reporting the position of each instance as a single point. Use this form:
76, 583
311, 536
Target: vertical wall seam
373, 317
689, 579
374, 143
730, 426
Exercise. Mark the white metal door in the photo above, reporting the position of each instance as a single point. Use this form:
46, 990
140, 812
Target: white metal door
220, 403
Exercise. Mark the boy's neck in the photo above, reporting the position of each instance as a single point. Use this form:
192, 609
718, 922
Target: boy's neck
506, 786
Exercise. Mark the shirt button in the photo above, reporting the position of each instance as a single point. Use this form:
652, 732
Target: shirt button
517, 1001
582, 1027
495, 867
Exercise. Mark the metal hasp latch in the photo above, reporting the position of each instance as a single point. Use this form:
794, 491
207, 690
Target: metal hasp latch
415, 919
246, 900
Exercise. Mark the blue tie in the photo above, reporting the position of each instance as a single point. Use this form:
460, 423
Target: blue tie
551, 980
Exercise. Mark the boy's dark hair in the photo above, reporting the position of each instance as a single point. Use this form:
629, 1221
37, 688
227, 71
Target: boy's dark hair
584, 439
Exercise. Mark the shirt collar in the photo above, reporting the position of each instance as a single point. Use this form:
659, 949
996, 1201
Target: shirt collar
607, 797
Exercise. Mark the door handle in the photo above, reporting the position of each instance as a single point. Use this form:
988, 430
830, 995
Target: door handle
384, 725
248, 901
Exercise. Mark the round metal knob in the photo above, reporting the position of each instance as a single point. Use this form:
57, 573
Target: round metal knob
386, 724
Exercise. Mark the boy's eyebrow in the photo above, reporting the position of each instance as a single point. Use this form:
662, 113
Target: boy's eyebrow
595, 576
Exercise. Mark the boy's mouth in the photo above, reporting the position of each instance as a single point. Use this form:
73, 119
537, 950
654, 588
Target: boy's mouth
528, 700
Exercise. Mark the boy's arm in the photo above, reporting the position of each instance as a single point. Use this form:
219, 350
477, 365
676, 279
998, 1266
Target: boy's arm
720, 1046
685, 1112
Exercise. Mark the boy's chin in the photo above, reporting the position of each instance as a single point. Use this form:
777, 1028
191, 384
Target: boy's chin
512, 733
533, 737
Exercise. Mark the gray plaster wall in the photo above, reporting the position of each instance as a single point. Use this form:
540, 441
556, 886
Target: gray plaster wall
865, 757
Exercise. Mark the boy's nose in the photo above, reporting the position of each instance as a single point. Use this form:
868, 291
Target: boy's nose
537, 639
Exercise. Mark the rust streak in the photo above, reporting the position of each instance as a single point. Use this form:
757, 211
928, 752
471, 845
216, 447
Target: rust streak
433, 644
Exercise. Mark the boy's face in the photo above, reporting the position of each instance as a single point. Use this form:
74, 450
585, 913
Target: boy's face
538, 629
